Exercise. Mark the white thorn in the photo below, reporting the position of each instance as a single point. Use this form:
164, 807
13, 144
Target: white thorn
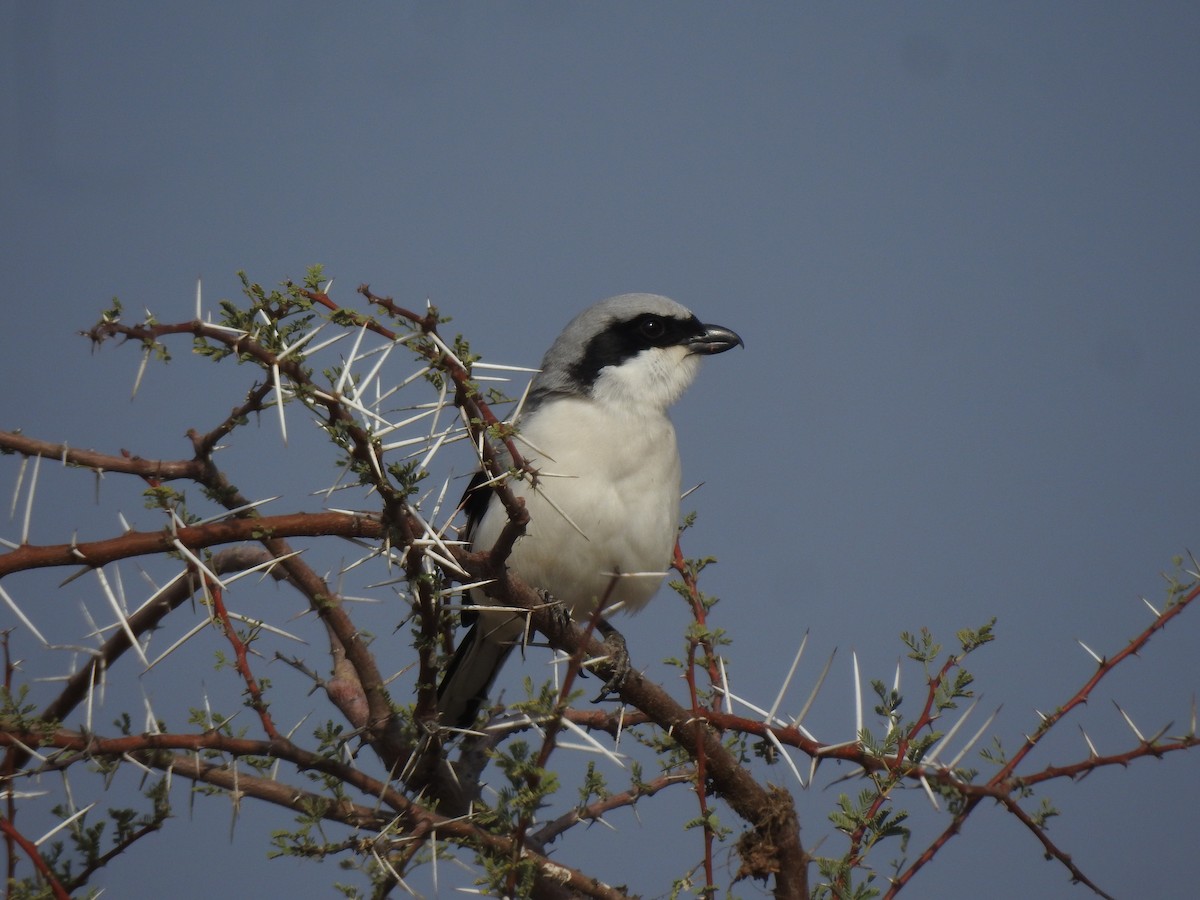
17, 487
1090, 651
929, 793
725, 684
120, 613
1091, 746
788, 759
949, 735
345, 374
279, 402
858, 698
976, 736
37, 462
1129, 722
137, 381
787, 681
20, 615
816, 689
61, 825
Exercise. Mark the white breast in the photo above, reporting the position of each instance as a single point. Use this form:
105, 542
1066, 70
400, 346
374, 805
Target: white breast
605, 512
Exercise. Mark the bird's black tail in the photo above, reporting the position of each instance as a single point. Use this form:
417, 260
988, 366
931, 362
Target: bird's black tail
464, 688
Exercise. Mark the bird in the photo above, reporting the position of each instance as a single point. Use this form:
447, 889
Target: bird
604, 507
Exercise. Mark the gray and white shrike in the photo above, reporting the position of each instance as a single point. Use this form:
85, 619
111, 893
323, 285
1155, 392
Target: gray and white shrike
604, 513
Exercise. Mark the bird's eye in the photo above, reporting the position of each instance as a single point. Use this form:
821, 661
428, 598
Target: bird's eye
653, 328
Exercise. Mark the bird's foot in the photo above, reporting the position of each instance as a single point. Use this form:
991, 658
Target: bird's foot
617, 658
556, 608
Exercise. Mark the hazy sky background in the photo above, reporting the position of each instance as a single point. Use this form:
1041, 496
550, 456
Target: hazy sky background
960, 242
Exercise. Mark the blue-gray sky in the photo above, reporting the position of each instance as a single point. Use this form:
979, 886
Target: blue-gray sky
960, 243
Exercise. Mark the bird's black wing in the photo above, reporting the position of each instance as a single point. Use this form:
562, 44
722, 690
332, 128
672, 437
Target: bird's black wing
474, 504
469, 675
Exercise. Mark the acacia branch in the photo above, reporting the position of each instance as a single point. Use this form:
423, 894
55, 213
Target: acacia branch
257, 701
159, 751
1106, 666
773, 848
94, 554
11, 834
160, 470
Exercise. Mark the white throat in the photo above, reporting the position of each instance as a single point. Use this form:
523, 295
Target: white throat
649, 382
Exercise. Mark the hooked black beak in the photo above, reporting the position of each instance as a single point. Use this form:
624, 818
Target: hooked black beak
715, 339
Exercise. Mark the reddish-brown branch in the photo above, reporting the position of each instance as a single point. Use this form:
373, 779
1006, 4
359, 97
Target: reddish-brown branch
1003, 783
895, 766
411, 817
257, 702
479, 415
699, 712
118, 849
95, 554
597, 808
769, 810
255, 400
1050, 848
551, 731
700, 614
900, 881
1081, 696
162, 470
234, 559
11, 834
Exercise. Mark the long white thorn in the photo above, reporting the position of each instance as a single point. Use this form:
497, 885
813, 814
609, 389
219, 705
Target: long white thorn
423, 465
120, 614
350, 361
782, 751
365, 384
559, 510
1091, 746
279, 402
975, 737
263, 626
151, 724
501, 367
816, 689
395, 426
137, 381
929, 793
37, 463
858, 697
949, 735
1092, 653
725, 684
16, 496
191, 633
266, 565
328, 342
61, 825
195, 560
230, 513
301, 341
787, 681
1129, 722
20, 615
592, 745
